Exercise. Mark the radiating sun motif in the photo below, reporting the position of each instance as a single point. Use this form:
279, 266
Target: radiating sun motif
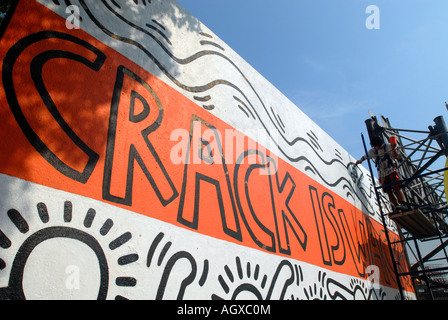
244, 283
60, 259
249, 283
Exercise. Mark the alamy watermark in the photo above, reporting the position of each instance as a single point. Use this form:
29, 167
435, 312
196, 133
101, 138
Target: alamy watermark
73, 21
373, 20
208, 145
373, 277
72, 281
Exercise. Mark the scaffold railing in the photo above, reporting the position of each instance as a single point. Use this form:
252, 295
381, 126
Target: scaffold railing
423, 226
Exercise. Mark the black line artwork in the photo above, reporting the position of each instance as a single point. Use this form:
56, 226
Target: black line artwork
254, 108
242, 279
56, 232
225, 229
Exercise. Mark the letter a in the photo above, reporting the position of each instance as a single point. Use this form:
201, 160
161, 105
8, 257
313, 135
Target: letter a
373, 21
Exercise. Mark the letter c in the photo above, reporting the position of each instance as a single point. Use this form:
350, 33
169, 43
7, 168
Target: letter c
36, 65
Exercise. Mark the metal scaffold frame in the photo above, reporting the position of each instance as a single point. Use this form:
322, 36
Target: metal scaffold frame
423, 227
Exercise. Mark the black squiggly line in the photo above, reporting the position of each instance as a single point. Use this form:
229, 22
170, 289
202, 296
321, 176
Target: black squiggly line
159, 32
287, 283
164, 252
153, 247
205, 35
244, 111
202, 99
276, 117
204, 273
245, 106
315, 141
158, 23
116, 4
211, 43
167, 272
197, 89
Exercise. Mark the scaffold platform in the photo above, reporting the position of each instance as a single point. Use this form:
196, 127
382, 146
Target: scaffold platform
423, 225
415, 222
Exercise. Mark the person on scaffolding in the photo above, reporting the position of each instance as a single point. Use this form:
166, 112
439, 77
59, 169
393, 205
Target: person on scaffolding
384, 155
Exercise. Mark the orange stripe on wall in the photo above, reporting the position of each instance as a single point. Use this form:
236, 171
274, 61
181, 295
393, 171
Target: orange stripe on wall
79, 117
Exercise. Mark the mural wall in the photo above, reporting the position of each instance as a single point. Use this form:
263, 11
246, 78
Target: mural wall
142, 158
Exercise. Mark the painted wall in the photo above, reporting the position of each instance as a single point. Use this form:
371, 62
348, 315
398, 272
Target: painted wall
142, 158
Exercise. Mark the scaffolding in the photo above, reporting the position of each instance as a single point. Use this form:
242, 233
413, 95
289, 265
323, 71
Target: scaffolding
423, 227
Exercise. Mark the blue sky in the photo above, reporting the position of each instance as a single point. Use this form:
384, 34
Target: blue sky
321, 55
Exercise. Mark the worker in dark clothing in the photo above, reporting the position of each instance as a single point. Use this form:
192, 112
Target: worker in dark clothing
384, 155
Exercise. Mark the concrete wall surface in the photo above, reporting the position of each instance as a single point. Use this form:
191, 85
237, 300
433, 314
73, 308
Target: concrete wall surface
142, 158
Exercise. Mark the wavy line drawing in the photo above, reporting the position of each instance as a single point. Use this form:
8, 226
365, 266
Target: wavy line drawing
122, 28
250, 107
188, 60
